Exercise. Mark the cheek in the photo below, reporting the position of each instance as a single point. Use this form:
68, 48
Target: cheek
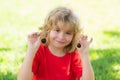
52, 34
69, 38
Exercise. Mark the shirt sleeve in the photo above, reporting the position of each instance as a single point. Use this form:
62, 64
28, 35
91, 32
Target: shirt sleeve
76, 65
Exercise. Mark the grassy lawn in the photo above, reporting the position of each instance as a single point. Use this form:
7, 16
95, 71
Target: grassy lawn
100, 19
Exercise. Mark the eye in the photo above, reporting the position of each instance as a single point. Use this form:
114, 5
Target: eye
68, 33
57, 30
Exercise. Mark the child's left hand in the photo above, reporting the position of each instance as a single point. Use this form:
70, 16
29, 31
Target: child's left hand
83, 50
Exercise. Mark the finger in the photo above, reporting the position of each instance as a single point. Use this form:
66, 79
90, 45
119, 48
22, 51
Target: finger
35, 34
29, 35
91, 40
38, 34
81, 36
85, 37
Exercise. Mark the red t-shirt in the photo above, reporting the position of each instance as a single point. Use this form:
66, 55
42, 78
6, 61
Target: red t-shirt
47, 66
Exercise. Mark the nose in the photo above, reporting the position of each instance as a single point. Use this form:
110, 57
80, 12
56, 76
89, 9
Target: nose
61, 35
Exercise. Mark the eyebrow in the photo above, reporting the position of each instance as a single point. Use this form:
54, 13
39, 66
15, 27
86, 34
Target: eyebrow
68, 28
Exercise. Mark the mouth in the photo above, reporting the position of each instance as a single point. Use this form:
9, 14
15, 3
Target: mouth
61, 42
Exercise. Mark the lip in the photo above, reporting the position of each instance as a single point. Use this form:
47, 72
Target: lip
61, 42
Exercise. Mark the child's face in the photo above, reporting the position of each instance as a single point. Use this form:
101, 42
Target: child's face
61, 35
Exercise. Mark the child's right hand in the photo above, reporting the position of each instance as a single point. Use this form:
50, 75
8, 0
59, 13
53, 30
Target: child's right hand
33, 41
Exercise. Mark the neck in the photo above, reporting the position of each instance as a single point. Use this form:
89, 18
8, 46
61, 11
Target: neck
56, 51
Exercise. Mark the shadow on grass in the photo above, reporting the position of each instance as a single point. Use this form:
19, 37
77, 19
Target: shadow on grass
8, 76
104, 65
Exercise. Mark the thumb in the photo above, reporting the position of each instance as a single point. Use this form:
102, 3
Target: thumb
90, 41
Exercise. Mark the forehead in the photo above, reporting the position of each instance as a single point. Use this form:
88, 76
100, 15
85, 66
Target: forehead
66, 26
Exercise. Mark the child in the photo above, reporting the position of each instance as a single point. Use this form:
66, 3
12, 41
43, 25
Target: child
58, 58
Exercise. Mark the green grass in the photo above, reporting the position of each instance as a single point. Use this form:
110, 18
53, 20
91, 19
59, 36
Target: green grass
100, 20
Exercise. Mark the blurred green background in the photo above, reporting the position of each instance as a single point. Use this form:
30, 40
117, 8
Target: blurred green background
99, 18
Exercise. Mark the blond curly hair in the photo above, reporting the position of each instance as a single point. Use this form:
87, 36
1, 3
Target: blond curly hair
65, 15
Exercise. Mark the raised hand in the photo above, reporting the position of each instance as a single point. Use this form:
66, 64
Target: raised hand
34, 40
84, 45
